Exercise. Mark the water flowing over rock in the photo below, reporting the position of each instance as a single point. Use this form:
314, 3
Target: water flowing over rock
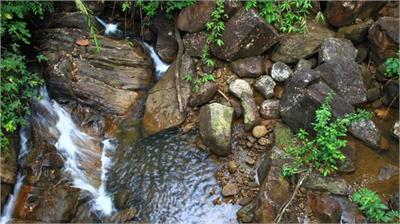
250, 67
112, 80
341, 13
296, 46
265, 85
194, 18
246, 34
383, 37
215, 127
162, 108
242, 90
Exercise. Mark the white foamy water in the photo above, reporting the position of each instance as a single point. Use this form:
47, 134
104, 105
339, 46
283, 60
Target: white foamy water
80, 152
160, 66
10, 204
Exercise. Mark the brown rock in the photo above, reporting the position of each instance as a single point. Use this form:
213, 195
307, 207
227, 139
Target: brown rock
341, 13
230, 189
384, 39
246, 34
195, 17
259, 131
357, 32
270, 109
250, 67
206, 93
325, 207
250, 161
194, 43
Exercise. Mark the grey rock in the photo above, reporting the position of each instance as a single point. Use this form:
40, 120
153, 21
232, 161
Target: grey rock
396, 129
194, 43
215, 127
265, 85
280, 72
333, 49
269, 109
383, 38
335, 185
303, 64
366, 131
387, 171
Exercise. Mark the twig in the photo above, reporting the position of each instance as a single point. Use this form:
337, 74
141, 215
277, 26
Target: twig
286, 205
223, 94
178, 66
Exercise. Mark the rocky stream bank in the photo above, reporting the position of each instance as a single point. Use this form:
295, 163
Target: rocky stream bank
267, 86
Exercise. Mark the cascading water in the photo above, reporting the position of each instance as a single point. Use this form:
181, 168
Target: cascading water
80, 152
159, 65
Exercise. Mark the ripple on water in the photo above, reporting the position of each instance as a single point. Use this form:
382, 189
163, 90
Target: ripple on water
170, 180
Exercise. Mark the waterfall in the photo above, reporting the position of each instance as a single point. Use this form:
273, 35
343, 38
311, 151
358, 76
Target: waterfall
10, 204
80, 152
159, 65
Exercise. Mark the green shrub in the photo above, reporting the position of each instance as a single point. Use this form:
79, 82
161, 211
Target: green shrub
198, 82
322, 152
288, 15
393, 67
372, 207
150, 7
18, 85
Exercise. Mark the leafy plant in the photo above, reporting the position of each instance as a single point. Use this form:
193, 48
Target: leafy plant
288, 15
198, 82
150, 7
18, 85
393, 67
89, 18
320, 18
323, 151
215, 27
371, 205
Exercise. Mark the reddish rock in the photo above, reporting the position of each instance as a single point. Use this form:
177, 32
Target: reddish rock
324, 207
384, 38
341, 13
250, 67
195, 17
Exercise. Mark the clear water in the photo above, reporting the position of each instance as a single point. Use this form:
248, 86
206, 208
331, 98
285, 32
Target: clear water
170, 181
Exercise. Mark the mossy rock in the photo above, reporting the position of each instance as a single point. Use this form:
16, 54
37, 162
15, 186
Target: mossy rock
284, 137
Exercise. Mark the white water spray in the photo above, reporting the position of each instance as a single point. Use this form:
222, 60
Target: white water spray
80, 152
8, 209
160, 66
110, 28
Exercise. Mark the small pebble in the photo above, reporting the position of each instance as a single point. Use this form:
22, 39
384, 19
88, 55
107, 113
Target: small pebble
250, 161
259, 131
232, 166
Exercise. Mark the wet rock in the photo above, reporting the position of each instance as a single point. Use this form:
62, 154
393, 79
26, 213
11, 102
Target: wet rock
288, 51
384, 39
269, 109
85, 215
206, 93
263, 167
162, 108
230, 189
396, 130
6, 190
246, 213
391, 93
350, 212
8, 167
344, 76
110, 81
250, 67
124, 216
265, 85
232, 166
333, 49
195, 17
349, 165
215, 122
242, 90
303, 64
259, 131
373, 93
194, 43
280, 72
274, 191
68, 20
62, 200
166, 45
357, 32
366, 131
335, 185
387, 171
304, 93
325, 207
120, 199
343, 13
246, 34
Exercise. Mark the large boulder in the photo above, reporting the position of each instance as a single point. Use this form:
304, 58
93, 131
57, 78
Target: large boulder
341, 13
110, 81
162, 108
194, 43
296, 46
250, 67
337, 48
356, 32
215, 121
384, 38
246, 34
194, 18
242, 90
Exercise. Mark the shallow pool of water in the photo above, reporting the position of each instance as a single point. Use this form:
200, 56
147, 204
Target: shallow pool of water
169, 180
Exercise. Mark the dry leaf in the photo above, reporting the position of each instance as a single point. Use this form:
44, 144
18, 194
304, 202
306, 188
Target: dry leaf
82, 42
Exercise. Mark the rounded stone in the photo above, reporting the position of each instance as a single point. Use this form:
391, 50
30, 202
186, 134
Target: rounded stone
280, 72
259, 131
